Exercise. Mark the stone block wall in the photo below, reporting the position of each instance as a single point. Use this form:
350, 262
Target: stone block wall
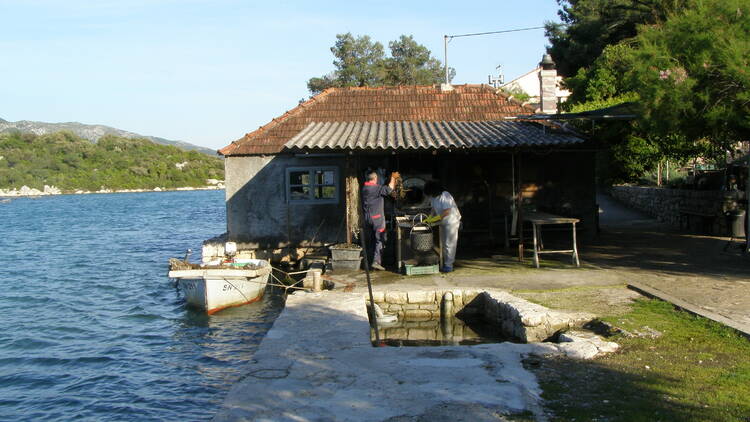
422, 305
665, 204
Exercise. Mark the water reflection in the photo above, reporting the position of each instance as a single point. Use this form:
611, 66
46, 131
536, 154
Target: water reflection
222, 344
447, 331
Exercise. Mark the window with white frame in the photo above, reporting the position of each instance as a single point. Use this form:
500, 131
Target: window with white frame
312, 185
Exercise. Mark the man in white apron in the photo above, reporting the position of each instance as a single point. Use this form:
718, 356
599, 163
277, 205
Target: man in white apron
445, 208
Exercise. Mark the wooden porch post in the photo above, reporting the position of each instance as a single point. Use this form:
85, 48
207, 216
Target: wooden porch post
519, 210
352, 199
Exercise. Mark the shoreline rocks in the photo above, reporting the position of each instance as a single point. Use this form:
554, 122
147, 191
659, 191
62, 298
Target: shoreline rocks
25, 191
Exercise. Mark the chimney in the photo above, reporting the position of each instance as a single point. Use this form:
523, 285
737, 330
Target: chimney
548, 85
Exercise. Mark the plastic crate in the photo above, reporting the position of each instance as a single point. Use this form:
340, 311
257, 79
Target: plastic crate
346, 264
345, 254
418, 270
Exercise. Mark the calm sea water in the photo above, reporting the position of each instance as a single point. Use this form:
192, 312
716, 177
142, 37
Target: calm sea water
92, 329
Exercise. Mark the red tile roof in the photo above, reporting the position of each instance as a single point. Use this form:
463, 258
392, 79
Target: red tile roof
375, 104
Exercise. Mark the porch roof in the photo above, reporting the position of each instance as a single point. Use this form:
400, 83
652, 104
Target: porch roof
426, 135
415, 104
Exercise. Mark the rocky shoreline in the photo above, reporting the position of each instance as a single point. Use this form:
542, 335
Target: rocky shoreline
26, 191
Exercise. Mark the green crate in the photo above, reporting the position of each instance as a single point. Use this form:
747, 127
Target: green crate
424, 269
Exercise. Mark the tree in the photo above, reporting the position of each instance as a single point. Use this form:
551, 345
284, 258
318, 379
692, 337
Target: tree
411, 64
692, 74
588, 26
358, 61
361, 62
683, 70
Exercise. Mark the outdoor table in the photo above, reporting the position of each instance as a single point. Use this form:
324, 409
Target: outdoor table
404, 223
539, 219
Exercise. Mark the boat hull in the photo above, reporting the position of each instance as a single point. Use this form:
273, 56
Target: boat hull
215, 289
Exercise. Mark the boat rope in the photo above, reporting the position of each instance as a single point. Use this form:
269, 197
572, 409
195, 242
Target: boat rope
279, 284
235, 288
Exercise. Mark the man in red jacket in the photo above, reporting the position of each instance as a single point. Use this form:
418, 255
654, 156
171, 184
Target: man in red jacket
372, 204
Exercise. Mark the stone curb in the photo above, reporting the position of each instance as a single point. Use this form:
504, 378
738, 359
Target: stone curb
652, 292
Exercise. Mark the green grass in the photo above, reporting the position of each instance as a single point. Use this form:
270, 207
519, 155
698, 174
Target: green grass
697, 370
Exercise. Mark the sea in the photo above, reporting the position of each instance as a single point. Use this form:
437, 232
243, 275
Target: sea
92, 328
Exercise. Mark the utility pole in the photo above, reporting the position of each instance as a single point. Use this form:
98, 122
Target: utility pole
445, 45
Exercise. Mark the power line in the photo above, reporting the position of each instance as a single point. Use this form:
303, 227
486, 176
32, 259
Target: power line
448, 38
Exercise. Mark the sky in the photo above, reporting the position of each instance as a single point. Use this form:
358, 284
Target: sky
207, 72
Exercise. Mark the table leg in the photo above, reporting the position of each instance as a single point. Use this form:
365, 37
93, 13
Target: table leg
507, 233
541, 241
536, 249
575, 247
520, 241
399, 258
440, 245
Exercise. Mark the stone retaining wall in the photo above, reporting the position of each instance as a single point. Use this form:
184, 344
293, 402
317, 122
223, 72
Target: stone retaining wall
665, 204
515, 317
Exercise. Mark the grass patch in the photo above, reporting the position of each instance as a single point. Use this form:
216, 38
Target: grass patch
600, 300
697, 370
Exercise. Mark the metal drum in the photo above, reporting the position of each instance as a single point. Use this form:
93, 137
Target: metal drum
421, 238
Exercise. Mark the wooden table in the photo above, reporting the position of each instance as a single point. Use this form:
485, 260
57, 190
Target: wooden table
539, 219
404, 223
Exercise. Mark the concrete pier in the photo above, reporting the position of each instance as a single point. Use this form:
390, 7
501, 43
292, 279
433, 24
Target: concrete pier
317, 364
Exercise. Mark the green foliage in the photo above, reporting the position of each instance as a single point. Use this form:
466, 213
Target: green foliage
601, 83
361, 62
64, 160
589, 26
411, 64
692, 74
517, 93
358, 60
682, 62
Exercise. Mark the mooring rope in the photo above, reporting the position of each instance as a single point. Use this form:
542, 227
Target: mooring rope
279, 282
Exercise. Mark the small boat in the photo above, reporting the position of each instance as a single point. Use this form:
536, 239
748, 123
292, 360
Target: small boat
219, 285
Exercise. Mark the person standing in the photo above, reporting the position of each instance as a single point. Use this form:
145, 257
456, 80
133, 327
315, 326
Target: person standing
373, 195
445, 208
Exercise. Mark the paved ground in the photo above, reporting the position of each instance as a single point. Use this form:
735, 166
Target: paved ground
317, 364
692, 268
630, 248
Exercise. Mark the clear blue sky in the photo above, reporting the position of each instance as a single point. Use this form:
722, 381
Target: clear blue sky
207, 72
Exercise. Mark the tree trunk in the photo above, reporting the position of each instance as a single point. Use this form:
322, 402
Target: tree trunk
658, 173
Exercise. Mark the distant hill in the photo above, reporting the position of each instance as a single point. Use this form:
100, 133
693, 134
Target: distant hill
91, 132
72, 163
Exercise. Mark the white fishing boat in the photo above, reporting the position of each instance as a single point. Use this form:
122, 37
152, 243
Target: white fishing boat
219, 285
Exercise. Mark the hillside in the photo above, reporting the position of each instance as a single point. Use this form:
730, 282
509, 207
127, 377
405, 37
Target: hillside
70, 162
91, 132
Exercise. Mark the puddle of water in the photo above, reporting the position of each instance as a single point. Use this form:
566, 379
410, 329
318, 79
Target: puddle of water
451, 331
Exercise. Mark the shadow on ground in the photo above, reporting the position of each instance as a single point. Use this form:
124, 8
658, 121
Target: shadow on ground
590, 390
666, 251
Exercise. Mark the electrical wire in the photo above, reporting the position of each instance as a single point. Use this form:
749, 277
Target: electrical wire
450, 37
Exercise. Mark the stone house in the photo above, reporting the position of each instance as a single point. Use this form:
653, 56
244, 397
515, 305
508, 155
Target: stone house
528, 83
293, 185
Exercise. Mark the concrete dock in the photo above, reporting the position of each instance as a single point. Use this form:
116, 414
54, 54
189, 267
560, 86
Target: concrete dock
317, 363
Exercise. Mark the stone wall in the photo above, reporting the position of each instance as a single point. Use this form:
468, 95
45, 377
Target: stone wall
665, 204
514, 317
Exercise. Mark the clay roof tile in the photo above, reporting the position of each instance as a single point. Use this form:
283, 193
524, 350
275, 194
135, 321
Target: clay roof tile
402, 103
